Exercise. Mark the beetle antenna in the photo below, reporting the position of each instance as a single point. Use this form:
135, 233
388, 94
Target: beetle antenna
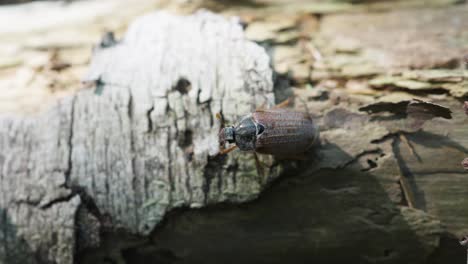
284, 104
226, 151
220, 117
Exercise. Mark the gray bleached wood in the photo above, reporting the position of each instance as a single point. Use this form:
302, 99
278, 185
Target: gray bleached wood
147, 144
143, 142
36, 226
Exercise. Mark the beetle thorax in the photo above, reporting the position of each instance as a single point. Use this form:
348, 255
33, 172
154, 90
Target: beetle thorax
245, 133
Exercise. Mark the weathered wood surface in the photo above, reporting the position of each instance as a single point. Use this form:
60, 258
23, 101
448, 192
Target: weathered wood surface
44, 57
168, 78
141, 142
91, 179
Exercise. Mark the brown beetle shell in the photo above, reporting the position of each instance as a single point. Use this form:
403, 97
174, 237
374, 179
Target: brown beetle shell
286, 133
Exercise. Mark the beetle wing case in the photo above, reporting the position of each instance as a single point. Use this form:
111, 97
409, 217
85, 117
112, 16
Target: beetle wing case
285, 132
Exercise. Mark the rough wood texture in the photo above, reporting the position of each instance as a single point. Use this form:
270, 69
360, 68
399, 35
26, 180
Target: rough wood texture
37, 208
344, 204
140, 143
98, 172
161, 88
44, 57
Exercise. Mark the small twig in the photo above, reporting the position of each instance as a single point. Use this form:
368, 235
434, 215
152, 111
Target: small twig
409, 196
405, 140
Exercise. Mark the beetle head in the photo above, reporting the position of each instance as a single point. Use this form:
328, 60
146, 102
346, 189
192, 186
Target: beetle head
226, 135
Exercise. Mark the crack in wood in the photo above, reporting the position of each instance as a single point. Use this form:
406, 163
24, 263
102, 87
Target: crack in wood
61, 199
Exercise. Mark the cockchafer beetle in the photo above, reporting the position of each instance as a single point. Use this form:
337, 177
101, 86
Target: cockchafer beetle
283, 133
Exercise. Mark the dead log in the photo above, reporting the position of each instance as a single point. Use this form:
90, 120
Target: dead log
141, 142
94, 177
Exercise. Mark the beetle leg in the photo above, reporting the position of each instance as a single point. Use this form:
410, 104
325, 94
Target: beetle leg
258, 165
226, 151
283, 104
